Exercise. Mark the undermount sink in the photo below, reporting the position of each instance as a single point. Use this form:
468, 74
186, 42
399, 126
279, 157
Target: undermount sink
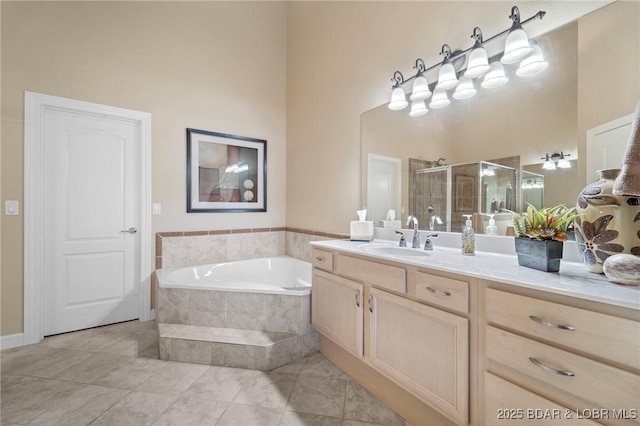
395, 251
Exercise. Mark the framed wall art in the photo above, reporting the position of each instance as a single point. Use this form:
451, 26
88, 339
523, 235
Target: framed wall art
225, 173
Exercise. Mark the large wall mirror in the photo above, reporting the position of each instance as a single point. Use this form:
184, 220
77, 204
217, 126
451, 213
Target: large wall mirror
481, 155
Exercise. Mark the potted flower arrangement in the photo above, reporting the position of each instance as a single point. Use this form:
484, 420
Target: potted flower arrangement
540, 234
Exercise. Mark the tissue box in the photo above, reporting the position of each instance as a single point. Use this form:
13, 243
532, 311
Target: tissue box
393, 224
362, 230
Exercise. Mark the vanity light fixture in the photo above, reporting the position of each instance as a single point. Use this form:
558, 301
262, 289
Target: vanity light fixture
533, 64
465, 89
418, 108
447, 78
439, 99
420, 85
517, 48
478, 64
398, 97
555, 160
496, 77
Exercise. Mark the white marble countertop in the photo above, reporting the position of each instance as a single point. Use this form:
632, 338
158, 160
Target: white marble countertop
572, 280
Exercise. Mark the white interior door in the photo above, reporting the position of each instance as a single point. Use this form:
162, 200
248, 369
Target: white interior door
606, 146
383, 186
91, 195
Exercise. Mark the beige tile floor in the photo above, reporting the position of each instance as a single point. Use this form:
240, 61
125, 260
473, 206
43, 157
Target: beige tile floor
112, 376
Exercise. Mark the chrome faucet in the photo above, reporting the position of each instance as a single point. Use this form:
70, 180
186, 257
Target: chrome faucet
434, 219
428, 245
416, 234
403, 240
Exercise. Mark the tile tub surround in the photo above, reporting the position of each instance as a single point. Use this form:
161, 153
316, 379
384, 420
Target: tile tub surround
230, 309
135, 387
186, 248
248, 330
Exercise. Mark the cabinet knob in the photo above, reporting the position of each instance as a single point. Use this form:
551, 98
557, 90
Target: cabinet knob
551, 324
358, 298
371, 303
320, 258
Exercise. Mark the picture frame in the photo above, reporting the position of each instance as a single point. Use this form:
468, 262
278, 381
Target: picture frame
225, 173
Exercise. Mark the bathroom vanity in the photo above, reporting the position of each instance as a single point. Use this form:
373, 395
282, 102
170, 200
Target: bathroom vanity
446, 339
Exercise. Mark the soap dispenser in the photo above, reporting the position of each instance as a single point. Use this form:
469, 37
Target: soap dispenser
468, 237
492, 229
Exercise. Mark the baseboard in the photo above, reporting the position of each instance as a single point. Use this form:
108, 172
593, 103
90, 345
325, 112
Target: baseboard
11, 341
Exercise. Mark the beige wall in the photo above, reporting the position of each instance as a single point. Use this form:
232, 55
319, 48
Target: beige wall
218, 66
609, 63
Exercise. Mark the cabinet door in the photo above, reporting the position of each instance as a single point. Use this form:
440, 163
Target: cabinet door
337, 310
423, 349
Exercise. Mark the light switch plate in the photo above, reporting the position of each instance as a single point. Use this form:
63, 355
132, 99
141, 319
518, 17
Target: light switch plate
11, 207
156, 208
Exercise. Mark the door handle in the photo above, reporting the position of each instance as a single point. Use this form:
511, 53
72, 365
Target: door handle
131, 230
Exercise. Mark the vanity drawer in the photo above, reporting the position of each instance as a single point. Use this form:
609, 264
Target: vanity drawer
509, 404
377, 274
595, 382
322, 259
442, 291
613, 338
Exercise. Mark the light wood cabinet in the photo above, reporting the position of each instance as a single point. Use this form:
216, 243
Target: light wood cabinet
465, 350
576, 355
606, 336
377, 274
424, 349
322, 259
337, 310
450, 293
508, 404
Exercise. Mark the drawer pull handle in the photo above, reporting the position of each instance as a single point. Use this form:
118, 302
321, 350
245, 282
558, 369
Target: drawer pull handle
357, 298
439, 292
320, 259
551, 324
550, 369
371, 303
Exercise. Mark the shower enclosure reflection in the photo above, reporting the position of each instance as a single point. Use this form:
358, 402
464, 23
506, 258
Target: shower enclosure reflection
440, 196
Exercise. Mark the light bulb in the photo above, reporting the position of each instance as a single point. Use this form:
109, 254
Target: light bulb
439, 99
533, 64
420, 88
418, 108
478, 64
517, 47
495, 77
465, 89
398, 99
447, 76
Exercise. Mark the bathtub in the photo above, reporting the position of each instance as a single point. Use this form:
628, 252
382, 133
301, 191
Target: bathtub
246, 314
281, 275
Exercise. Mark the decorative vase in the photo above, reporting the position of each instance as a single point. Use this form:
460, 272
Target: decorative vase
608, 224
541, 255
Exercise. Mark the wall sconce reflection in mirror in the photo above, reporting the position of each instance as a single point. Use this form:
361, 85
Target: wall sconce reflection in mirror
225, 173
555, 160
518, 50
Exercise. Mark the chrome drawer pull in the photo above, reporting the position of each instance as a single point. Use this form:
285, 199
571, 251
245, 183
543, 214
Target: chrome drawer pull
439, 292
371, 303
550, 369
551, 324
321, 259
357, 298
